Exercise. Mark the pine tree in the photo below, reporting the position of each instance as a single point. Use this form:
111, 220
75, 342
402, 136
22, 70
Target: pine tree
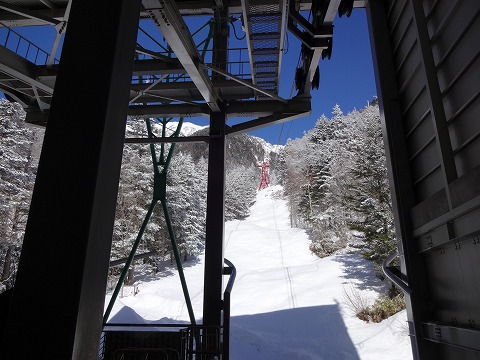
19, 153
336, 181
241, 186
328, 227
186, 196
369, 194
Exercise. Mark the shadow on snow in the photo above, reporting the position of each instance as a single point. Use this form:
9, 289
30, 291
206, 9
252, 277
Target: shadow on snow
310, 333
357, 268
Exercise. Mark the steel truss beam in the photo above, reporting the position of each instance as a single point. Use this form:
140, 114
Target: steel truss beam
22, 69
28, 14
277, 110
193, 7
276, 118
166, 16
22, 79
168, 140
246, 83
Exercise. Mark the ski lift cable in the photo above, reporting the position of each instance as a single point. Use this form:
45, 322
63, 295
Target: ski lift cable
290, 128
280, 134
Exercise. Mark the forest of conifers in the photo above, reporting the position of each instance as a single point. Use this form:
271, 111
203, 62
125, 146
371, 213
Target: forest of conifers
334, 179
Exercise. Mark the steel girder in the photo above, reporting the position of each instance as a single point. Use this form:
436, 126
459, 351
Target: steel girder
25, 13
166, 16
233, 109
23, 81
186, 7
188, 98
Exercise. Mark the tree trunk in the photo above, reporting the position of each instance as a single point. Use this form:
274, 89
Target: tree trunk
8, 263
130, 277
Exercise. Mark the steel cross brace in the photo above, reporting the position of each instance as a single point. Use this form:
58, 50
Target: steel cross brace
159, 195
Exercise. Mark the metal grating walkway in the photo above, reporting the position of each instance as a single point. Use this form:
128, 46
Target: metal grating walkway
265, 30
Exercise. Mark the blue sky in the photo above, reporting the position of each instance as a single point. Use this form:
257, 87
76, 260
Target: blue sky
346, 79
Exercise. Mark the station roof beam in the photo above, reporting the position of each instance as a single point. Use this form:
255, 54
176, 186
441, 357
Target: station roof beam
167, 17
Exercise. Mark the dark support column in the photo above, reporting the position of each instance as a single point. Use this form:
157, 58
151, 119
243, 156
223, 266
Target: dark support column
212, 305
411, 263
58, 301
212, 301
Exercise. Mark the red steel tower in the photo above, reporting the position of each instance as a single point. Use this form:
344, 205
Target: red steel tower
264, 181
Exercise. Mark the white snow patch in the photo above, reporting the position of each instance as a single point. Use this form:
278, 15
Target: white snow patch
187, 129
286, 302
268, 148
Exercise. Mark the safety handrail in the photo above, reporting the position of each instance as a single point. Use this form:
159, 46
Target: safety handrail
24, 47
392, 273
230, 270
163, 354
238, 64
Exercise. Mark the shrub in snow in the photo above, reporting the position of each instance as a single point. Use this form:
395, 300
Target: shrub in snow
382, 308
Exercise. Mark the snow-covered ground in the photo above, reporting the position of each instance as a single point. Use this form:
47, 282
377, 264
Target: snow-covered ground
286, 302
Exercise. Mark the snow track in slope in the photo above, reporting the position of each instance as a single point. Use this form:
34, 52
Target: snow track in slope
288, 277
286, 302
292, 295
268, 258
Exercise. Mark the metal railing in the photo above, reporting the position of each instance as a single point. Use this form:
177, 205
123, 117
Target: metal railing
23, 47
212, 342
230, 270
150, 354
393, 274
196, 342
238, 65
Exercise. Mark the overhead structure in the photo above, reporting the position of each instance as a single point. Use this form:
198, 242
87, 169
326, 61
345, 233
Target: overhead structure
264, 24
247, 82
142, 58
161, 73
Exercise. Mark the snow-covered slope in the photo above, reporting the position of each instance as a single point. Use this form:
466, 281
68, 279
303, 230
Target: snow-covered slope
188, 128
286, 303
268, 148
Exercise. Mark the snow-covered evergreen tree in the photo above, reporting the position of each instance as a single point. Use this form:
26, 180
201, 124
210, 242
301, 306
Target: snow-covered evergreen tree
327, 224
241, 188
186, 196
134, 196
368, 194
19, 153
295, 158
335, 179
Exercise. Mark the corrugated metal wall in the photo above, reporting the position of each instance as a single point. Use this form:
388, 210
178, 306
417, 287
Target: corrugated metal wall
427, 56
